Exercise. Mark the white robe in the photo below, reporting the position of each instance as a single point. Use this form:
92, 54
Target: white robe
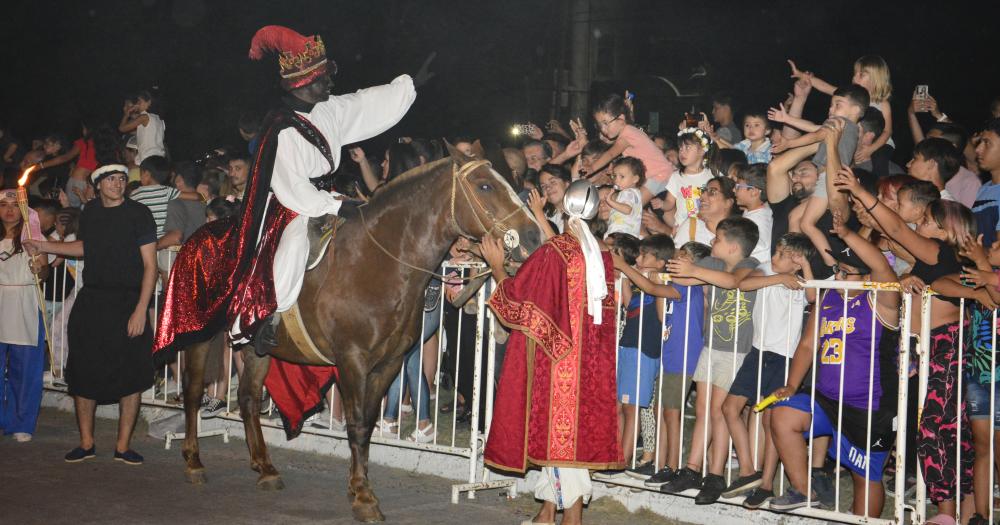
343, 119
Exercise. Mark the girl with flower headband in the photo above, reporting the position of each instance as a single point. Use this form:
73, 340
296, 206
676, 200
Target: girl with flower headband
613, 116
684, 188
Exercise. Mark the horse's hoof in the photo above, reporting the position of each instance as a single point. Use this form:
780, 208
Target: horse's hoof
270, 483
367, 513
196, 477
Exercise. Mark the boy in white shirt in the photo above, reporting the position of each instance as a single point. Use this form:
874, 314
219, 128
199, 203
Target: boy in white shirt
751, 197
777, 322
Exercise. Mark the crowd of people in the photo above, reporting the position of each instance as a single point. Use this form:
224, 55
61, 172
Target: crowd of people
715, 228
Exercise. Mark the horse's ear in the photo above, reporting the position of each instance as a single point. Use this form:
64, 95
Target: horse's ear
477, 150
457, 156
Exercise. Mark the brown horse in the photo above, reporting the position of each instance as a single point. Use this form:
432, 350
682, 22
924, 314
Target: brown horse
363, 308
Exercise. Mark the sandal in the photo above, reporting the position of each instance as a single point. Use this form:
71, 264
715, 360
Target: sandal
424, 435
446, 408
385, 426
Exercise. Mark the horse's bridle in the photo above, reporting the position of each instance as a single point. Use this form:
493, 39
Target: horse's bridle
459, 180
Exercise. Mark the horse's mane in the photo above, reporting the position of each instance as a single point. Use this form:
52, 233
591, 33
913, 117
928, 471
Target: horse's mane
402, 187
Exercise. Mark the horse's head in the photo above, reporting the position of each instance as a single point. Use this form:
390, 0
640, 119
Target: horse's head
484, 203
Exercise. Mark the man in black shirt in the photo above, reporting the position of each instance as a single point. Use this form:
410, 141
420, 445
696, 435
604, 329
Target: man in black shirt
108, 328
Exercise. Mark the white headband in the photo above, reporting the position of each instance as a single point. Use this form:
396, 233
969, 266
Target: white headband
104, 171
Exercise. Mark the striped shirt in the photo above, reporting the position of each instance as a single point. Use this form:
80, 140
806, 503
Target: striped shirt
156, 197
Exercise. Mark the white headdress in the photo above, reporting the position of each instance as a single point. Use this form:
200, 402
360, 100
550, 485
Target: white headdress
580, 202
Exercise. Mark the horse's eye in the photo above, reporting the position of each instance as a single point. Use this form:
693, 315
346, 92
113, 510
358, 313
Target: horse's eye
485, 187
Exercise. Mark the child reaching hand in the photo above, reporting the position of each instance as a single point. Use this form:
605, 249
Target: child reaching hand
628, 174
614, 119
872, 73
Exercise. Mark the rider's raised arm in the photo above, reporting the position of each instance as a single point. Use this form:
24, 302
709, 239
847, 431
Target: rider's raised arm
371, 111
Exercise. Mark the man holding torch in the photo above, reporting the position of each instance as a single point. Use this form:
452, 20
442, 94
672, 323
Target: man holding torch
109, 330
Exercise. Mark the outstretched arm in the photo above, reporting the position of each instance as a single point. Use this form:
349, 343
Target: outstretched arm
816, 82
800, 93
60, 159
779, 114
892, 224
645, 284
611, 154
690, 274
371, 111
66, 249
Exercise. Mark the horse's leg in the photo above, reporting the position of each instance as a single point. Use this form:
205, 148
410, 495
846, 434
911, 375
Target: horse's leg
362, 412
194, 385
251, 385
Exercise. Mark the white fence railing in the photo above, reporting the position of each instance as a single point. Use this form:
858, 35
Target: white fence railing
456, 430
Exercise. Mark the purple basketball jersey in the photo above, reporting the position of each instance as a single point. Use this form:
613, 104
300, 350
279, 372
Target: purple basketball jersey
853, 353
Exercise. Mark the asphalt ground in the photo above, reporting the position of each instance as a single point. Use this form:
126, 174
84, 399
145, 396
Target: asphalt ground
37, 486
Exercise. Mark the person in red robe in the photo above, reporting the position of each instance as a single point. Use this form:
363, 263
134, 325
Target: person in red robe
555, 405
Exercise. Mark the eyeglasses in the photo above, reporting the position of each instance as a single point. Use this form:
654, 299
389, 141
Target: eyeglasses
741, 186
838, 269
607, 123
710, 190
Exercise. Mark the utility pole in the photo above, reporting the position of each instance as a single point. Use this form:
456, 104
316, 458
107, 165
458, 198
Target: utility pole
579, 64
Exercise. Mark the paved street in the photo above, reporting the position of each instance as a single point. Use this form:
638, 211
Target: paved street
39, 487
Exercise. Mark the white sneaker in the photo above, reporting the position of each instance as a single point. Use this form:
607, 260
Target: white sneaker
22, 437
406, 409
324, 422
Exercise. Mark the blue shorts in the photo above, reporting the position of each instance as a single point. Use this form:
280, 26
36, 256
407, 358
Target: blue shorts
772, 377
977, 397
627, 375
851, 456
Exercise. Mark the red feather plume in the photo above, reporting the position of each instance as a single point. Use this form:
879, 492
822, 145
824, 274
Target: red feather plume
276, 38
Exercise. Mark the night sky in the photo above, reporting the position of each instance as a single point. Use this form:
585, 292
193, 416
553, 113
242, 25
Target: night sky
67, 59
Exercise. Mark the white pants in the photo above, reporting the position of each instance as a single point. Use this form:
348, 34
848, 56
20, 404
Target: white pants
290, 261
563, 486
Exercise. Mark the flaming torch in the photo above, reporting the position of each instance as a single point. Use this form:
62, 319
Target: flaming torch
26, 226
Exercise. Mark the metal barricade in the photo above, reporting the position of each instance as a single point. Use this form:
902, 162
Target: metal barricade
450, 436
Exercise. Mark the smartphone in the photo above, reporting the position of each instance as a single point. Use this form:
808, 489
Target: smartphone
921, 92
690, 120
521, 129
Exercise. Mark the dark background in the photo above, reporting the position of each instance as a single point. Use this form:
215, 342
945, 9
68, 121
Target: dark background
494, 63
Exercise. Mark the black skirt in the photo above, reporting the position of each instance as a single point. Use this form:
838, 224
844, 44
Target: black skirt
104, 363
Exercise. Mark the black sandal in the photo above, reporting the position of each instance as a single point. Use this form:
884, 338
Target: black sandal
446, 409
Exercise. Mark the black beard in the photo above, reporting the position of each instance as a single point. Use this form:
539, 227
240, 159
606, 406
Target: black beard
800, 192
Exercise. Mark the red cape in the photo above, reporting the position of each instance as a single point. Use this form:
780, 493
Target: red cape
225, 271
556, 401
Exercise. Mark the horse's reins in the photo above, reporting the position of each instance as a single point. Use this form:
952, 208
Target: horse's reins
459, 179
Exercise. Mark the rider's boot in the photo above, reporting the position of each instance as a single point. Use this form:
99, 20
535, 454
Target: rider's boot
267, 336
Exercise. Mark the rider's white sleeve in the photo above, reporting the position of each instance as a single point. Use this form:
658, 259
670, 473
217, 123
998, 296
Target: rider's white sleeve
371, 111
344, 119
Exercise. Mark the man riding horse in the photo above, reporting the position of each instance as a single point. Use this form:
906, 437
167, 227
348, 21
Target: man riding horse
245, 272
